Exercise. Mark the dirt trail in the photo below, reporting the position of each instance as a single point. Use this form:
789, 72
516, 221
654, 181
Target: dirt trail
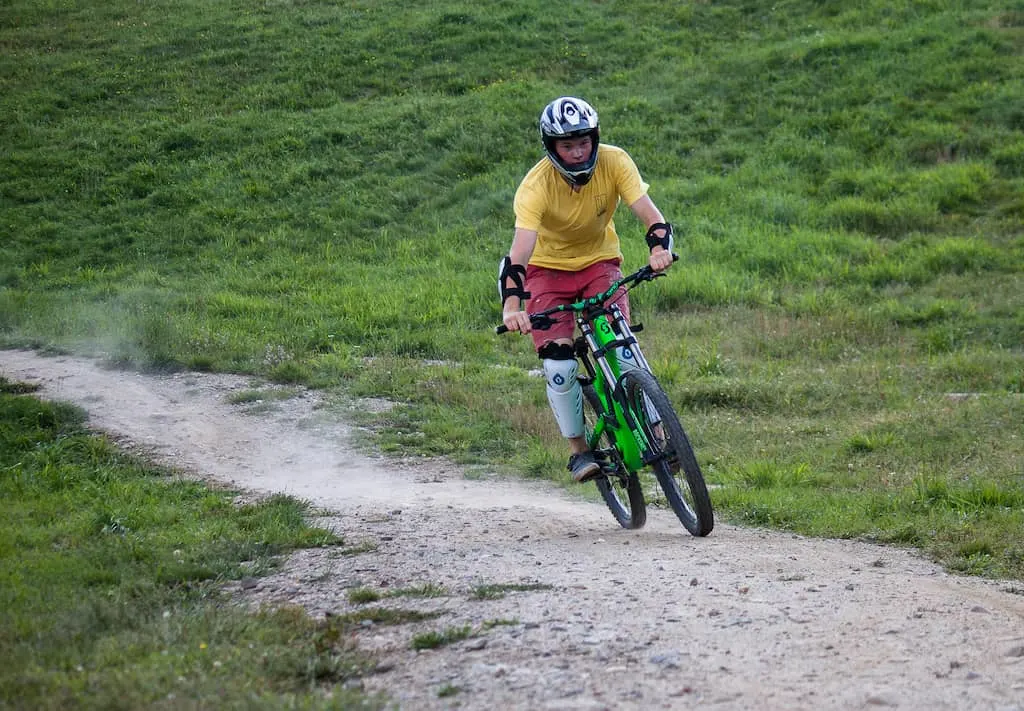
610, 619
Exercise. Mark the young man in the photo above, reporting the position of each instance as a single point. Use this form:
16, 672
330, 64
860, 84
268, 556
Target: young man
565, 248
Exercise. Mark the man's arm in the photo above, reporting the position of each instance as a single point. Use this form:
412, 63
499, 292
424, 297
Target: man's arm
514, 318
649, 214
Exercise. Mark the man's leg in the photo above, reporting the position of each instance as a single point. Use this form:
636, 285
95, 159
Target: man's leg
565, 395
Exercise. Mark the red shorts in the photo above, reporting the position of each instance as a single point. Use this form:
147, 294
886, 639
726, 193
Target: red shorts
554, 287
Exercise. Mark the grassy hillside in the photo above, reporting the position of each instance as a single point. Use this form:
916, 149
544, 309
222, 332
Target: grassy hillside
286, 188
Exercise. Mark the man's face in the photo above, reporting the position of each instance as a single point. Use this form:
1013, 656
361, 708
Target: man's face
574, 151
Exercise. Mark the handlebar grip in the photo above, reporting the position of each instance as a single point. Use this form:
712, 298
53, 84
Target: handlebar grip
498, 330
675, 257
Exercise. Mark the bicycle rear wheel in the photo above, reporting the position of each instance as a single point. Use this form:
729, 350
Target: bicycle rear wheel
619, 488
677, 470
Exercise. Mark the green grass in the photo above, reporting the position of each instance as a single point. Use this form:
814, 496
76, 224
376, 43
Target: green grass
496, 591
362, 596
258, 397
384, 616
110, 576
319, 193
442, 638
448, 690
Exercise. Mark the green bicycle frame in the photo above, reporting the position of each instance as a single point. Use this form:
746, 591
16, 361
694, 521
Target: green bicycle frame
600, 337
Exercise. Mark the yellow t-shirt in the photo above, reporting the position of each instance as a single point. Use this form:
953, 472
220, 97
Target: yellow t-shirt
575, 229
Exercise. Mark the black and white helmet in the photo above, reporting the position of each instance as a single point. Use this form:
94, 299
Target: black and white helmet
569, 117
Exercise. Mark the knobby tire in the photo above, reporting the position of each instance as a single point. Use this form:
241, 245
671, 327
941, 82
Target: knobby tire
677, 471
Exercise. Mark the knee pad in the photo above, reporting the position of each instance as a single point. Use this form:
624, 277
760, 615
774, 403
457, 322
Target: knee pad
561, 374
565, 395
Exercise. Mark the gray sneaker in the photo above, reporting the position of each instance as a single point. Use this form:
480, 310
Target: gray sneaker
583, 466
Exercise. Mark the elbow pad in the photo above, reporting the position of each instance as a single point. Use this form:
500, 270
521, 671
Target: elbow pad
516, 273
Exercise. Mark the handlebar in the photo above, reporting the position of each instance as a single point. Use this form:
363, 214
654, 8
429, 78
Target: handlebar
542, 319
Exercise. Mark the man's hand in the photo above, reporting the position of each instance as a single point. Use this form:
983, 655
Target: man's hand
661, 259
517, 321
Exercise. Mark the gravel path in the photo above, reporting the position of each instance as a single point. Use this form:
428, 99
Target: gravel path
583, 614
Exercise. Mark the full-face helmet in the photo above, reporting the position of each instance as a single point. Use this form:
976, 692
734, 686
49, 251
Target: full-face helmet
569, 117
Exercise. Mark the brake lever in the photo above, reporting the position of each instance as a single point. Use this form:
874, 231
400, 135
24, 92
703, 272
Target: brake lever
542, 323
651, 275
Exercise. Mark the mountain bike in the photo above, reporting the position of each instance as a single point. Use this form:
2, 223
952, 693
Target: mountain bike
631, 424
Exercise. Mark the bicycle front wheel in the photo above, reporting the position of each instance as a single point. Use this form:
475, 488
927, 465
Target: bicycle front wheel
676, 467
619, 488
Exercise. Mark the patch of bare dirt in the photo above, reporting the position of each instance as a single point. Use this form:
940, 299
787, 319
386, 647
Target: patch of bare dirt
591, 616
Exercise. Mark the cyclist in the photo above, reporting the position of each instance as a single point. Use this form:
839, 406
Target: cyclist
565, 248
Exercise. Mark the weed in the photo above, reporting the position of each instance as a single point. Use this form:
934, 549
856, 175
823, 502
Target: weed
361, 596
244, 397
498, 590
426, 590
385, 616
433, 640
491, 624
